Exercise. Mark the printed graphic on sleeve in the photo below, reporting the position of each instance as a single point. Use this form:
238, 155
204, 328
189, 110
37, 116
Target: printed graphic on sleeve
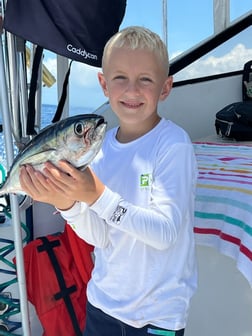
118, 214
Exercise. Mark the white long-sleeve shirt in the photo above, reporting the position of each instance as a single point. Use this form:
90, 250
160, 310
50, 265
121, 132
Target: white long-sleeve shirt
142, 228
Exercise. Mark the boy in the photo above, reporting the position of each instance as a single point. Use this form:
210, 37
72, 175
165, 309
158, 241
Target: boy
136, 202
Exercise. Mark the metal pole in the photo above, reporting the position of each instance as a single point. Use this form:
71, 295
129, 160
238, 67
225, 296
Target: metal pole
22, 89
14, 85
221, 15
13, 200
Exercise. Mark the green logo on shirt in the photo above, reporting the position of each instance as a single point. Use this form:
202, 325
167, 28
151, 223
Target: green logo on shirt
145, 180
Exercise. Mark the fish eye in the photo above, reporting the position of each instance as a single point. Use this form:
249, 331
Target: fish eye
79, 128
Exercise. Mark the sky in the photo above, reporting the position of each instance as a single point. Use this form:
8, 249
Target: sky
188, 22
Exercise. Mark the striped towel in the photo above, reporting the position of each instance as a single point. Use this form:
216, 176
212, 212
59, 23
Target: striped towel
223, 209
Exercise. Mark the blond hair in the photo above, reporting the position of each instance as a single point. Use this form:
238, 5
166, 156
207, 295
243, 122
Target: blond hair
136, 37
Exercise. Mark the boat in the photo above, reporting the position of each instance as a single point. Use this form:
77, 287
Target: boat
223, 302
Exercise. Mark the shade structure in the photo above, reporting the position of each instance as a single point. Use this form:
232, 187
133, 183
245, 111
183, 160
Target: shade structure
76, 29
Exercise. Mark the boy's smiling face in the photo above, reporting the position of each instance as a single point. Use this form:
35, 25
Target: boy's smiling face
134, 81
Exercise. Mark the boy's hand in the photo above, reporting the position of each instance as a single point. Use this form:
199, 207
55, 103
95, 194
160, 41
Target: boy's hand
61, 186
37, 185
83, 186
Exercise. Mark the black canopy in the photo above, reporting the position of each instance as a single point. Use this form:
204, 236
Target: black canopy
76, 29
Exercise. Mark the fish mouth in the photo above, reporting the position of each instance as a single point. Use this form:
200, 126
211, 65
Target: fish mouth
95, 132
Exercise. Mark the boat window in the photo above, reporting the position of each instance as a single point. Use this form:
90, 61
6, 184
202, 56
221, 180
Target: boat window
228, 57
198, 27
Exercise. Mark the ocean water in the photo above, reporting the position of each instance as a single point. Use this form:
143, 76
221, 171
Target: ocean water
48, 111
47, 114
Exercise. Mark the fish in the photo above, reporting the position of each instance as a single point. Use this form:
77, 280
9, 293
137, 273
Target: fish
76, 139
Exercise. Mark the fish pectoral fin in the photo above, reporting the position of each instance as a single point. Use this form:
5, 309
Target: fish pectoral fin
38, 158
